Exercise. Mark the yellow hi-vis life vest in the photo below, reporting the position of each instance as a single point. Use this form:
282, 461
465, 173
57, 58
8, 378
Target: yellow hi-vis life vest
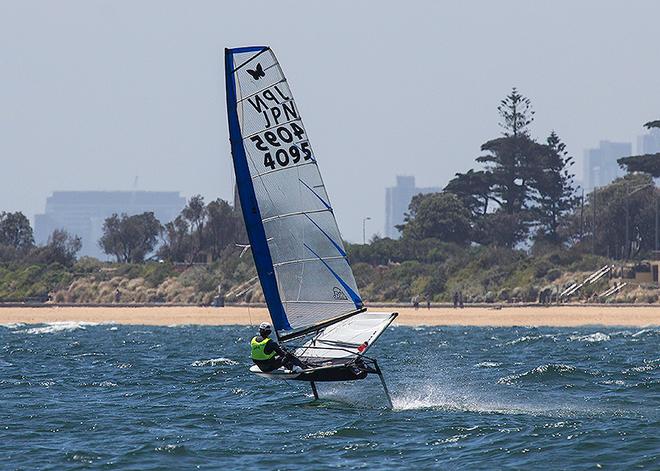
258, 352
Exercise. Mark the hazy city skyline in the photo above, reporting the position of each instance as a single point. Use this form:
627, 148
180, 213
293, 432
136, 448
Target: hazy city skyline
96, 93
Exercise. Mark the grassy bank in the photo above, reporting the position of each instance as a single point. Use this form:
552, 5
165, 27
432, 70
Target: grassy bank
386, 271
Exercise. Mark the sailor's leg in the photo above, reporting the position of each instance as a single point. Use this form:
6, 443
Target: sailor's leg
316, 393
382, 381
290, 360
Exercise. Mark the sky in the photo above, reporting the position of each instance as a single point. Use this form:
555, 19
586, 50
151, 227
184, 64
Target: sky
96, 93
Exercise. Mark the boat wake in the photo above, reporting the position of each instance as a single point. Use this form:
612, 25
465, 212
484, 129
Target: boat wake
449, 400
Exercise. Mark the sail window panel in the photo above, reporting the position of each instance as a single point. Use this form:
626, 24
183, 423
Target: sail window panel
297, 238
281, 193
305, 314
311, 290
312, 185
259, 73
285, 241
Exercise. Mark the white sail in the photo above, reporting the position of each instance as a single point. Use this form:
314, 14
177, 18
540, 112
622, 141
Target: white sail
294, 236
347, 338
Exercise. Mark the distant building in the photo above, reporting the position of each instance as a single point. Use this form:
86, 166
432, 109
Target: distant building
397, 200
82, 213
600, 166
649, 143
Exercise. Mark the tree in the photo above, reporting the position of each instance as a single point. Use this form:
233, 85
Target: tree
437, 215
528, 183
473, 188
625, 205
130, 238
647, 163
516, 113
501, 229
177, 240
61, 248
195, 214
175, 247
15, 231
554, 195
511, 162
64, 247
224, 227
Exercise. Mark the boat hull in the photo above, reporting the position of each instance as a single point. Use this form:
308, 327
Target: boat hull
320, 374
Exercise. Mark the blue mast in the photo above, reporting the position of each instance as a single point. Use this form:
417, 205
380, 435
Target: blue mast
251, 213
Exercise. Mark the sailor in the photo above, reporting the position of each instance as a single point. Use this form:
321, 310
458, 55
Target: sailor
268, 355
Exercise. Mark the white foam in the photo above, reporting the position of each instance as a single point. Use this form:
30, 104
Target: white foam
430, 397
14, 325
488, 364
530, 338
54, 327
321, 434
597, 337
643, 332
214, 362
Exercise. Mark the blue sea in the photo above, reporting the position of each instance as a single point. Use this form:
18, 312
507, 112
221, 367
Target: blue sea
83, 396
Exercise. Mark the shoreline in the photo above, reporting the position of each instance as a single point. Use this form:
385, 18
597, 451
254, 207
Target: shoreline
482, 316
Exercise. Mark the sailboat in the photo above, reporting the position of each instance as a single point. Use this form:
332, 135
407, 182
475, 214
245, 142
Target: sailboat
303, 269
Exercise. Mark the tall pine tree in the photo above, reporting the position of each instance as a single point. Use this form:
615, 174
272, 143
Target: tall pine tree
554, 193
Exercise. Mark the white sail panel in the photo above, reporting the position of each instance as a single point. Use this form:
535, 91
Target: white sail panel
314, 280
347, 338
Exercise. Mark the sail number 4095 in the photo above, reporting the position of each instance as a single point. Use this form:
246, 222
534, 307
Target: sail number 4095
280, 138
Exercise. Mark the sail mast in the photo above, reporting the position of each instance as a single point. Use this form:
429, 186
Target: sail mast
251, 214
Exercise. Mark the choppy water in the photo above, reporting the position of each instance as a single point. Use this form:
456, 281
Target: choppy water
79, 396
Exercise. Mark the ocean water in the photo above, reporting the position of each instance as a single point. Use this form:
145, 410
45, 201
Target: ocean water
83, 396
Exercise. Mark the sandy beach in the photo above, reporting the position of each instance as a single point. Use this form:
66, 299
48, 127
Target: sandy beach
558, 316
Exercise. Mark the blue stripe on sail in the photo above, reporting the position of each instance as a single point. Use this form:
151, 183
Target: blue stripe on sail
251, 214
354, 296
327, 205
239, 50
337, 246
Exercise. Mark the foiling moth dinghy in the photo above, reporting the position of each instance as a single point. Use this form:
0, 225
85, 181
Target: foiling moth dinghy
303, 269
337, 353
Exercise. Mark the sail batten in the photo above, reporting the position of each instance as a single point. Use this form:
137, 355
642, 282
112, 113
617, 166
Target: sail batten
257, 92
297, 213
300, 258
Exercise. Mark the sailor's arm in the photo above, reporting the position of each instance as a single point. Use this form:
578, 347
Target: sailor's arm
273, 346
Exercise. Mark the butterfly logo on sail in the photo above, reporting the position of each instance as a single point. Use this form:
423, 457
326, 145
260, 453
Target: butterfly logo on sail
258, 72
338, 294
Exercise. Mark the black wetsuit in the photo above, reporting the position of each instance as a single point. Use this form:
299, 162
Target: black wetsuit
281, 358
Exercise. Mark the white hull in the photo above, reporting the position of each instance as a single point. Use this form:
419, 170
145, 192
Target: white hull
280, 373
